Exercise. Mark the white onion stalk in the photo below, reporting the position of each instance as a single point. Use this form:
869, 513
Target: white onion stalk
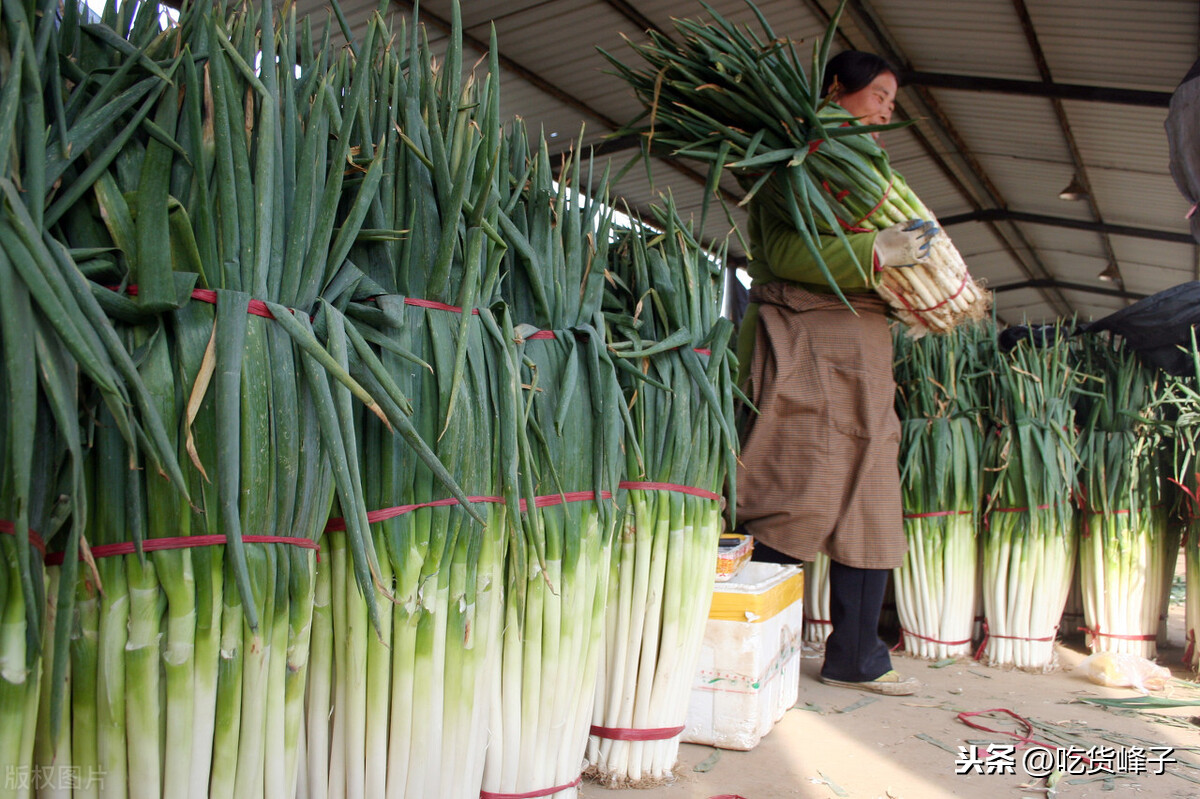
1128, 547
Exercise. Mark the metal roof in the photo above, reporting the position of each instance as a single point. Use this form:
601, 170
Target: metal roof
1013, 98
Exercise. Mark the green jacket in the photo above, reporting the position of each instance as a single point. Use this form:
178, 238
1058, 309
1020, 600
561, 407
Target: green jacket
778, 252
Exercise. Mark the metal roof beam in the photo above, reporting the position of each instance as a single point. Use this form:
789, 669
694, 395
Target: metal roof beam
1032, 88
1064, 124
1062, 284
1005, 215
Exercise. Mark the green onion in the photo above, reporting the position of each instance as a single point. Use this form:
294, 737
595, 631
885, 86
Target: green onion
741, 100
1128, 548
939, 403
662, 284
1029, 540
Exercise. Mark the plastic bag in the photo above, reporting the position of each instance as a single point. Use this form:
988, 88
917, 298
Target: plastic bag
1124, 671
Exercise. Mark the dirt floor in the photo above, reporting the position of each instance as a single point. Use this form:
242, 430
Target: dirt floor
843, 743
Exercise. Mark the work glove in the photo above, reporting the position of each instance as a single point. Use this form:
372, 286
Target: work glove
905, 243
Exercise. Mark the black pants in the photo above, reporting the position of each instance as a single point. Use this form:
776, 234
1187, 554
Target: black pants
853, 651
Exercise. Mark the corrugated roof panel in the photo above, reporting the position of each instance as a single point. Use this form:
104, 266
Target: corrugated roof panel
1023, 306
1033, 186
478, 13
1136, 252
1149, 280
1074, 267
786, 17
1063, 240
987, 122
1120, 136
1093, 306
1142, 45
982, 37
1140, 199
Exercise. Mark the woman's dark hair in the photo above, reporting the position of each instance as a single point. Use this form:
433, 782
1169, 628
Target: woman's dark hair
854, 70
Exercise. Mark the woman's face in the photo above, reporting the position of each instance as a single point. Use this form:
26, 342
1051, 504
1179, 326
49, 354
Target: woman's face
873, 103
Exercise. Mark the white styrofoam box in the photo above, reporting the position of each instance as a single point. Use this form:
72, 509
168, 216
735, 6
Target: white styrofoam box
749, 673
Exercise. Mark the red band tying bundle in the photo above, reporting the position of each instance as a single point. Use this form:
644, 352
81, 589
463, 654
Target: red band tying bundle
811, 620
437, 306
35, 540
652, 486
531, 794
988, 634
986, 523
337, 524
256, 307
918, 311
1097, 634
903, 633
625, 734
181, 542
938, 513
855, 227
814, 144
1022, 740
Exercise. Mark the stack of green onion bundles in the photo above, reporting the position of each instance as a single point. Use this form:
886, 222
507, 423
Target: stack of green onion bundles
672, 347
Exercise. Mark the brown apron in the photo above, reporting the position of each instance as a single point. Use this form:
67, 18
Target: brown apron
818, 469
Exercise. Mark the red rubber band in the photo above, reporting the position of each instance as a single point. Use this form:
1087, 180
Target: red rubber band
181, 542
938, 513
35, 540
629, 734
904, 632
814, 144
808, 620
652, 486
1027, 738
531, 794
437, 306
256, 307
855, 226
1021, 510
987, 634
1098, 634
337, 524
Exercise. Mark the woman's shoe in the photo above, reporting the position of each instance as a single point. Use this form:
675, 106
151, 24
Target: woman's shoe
890, 683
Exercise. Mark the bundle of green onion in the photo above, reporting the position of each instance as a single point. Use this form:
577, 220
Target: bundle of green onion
188, 667
1179, 410
742, 100
1029, 536
569, 402
938, 400
1128, 548
665, 328
401, 708
57, 344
